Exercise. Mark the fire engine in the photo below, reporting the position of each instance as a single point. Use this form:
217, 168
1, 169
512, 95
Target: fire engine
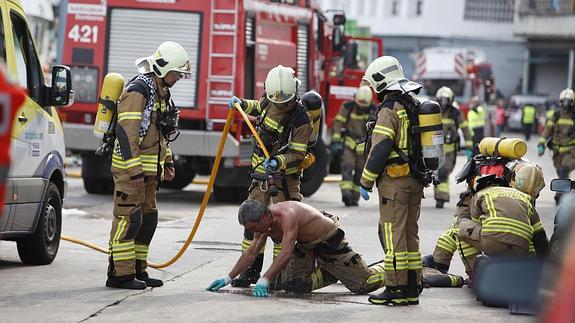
232, 44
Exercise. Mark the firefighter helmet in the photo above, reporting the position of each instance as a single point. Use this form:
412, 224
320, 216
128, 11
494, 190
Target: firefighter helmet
444, 96
281, 84
363, 96
528, 178
170, 56
386, 74
566, 98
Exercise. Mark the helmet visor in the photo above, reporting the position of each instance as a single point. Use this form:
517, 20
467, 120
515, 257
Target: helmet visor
280, 96
184, 70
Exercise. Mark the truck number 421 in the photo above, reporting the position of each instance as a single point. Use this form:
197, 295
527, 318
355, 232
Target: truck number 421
84, 33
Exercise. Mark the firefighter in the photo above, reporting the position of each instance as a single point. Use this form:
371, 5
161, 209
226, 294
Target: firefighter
141, 159
476, 122
315, 252
399, 191
348, 130
285, 128
504, 220
528, 115
559, 135
452, 121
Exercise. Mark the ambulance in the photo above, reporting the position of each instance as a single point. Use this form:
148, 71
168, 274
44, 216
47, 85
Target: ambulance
36, 184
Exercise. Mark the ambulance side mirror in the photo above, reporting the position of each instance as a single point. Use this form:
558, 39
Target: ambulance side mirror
562, 185
61, 93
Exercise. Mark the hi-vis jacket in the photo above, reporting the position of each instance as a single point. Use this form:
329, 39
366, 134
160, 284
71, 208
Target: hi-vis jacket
452, 120
561, 130
273, 125
506, 215
349, 125
392, 126
133, 154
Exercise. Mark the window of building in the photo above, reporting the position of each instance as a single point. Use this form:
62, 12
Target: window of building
498, 11
373, 8
392, 8
415, 7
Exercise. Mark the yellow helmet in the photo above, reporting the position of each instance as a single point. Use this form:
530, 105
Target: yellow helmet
170, 56
363, 96
444, 92
281, 84
527, 177
386, 74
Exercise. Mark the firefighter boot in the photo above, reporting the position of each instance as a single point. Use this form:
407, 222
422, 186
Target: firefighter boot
439, 204
346, 199
393, 296
143, 276
125, 282
251, 275
413, 288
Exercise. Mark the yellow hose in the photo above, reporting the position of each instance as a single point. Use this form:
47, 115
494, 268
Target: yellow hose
206, 195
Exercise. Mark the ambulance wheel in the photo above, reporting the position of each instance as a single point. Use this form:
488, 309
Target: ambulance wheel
313, 176
42, 246
555, 247
233, 194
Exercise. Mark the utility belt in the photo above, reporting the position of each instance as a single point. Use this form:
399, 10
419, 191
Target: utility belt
273, 183
332, 246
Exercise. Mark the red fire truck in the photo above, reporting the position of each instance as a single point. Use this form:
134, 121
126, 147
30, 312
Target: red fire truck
232, 44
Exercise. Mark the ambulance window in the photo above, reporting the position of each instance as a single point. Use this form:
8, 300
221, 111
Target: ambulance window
2, 40
27, 65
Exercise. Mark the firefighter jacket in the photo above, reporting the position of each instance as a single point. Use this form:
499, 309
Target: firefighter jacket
284, 132
560, 130
528, 114
392, 128
506, 215
349, 125
133, 153
476, 117
452, 120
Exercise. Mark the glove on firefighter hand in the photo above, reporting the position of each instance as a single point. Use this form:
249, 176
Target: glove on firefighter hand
235, 99
219, 283
336, 148
364, 193
469, 153
540, 149
261, 288
270, 165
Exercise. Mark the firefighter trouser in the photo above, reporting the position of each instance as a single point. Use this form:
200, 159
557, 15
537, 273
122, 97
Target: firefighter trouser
448, 243
400, 202
351, 168
435, 278
527, 130
135, 221
257, 193
564, 163
441, 190
309, 270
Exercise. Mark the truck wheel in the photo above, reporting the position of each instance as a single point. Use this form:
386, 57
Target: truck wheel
313, 176
184, 176
41, 247
555, 247
96, 174
233, 194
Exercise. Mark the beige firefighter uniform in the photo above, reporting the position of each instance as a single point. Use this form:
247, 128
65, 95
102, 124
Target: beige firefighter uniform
135, 155
560, 130
325, 261
349, 129
400, 196
448, 243
452, 121
285, 133
503, 221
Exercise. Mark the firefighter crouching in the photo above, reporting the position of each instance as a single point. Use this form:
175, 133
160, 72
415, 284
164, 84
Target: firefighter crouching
400, 179
559, 136
348, 130
141, 158
452, 121
285, 127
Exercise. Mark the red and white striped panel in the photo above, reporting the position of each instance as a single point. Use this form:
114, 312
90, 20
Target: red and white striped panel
420, 67
459, 65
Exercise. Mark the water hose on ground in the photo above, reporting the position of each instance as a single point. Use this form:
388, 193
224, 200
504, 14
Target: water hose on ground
206, 194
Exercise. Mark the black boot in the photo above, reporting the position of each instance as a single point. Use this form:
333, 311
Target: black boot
251, 275
143, 276
439, 204
125, 282
393, 296
413, 288
347, 200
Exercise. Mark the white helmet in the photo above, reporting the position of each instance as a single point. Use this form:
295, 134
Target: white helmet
444, 92
170, 56
281, 84
566, 98
527, 177
385, 73
363, 96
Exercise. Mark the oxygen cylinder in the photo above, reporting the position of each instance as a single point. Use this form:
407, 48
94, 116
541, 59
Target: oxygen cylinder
314, 104
513, 148
431, 134
112, 88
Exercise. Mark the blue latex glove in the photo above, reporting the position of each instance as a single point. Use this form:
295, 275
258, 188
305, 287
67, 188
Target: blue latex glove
540, 149
469, 153
219, 283
261, 288
270, 165
364, 193
233, 100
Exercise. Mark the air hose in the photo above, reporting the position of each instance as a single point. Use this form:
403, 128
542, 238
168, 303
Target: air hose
206, 194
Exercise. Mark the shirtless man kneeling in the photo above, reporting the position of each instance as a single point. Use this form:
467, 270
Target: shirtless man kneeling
314, 251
